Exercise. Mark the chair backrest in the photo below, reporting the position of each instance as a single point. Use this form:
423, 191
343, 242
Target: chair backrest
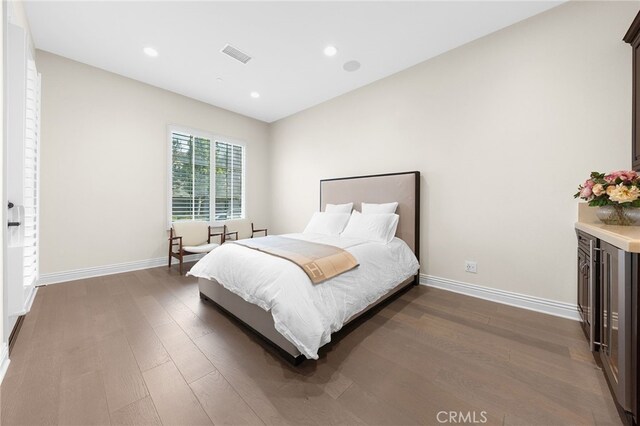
242, 226
193, 233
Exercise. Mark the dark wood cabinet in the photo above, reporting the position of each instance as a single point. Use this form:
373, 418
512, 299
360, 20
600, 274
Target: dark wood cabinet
633, 38
608, 307
588, 286
615, 348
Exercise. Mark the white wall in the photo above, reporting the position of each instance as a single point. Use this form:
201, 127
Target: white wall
503, 130
104, 164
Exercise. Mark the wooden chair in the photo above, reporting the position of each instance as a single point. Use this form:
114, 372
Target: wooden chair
193, 237
254, 231
242, 228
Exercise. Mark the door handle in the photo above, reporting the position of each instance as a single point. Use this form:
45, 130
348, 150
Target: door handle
14, 224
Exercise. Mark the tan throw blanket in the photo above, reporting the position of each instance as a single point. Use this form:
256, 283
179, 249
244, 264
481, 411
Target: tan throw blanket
319, 261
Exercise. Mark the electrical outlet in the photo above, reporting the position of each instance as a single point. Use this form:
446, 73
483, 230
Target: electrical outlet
471, 267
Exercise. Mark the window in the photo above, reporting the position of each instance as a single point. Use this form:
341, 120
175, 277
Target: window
193, 186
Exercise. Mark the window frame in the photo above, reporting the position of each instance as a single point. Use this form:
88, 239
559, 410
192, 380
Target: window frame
213, 138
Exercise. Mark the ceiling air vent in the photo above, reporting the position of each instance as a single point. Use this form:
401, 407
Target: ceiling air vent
236, 54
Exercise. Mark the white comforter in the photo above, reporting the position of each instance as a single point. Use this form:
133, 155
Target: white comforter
304, 313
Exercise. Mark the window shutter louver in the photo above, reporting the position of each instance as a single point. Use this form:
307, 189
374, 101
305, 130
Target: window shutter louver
229, 181
191, 177
31, 181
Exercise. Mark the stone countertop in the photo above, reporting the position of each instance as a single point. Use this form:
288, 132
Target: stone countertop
624, 237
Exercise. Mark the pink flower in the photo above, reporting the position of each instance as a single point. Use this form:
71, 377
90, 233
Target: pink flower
624, 175
588, 183
585, 192
628, 175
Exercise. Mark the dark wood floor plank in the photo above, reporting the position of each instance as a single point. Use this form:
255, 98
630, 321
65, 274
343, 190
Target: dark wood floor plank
221, 402
248, 387
121, 375
139, 413
79, 362
192, 325
40, 380
83, 401
147, 348
372, 409
520, 383
153, 311
141, 347
185, 354
175, 402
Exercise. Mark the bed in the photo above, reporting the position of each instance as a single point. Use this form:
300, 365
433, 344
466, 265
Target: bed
267, 294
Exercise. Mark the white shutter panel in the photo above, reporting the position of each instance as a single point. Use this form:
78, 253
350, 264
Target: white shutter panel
31, 175
190, 177
229, 181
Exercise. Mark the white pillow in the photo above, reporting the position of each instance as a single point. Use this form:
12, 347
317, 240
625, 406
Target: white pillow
339, 208
380, 228
327, 223
368, 208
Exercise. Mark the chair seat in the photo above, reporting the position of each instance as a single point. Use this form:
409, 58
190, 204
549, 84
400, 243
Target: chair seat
204, 248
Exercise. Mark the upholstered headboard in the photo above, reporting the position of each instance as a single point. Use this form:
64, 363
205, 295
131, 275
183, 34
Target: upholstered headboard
401, 187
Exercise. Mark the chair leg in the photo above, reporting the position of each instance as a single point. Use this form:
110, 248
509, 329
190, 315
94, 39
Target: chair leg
180, 263
170, 256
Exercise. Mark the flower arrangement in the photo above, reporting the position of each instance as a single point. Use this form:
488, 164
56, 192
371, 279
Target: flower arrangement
621, 188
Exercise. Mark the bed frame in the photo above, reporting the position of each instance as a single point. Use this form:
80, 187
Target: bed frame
401, 187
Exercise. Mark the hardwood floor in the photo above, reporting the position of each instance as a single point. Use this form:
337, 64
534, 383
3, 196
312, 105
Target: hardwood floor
142, 348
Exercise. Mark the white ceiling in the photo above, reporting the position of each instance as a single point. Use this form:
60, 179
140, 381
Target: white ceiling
285, 39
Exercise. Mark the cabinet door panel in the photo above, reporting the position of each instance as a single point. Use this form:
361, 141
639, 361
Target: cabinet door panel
581, 298
586, 293
605, 283
615, 324
613, 349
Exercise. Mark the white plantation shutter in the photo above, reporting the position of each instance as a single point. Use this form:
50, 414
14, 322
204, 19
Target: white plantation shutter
194, 160
31, 175
229, 181
191, 177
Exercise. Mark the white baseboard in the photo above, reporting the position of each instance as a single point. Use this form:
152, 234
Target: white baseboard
532, 303
30, 298
98, 271
551, 307
4, 360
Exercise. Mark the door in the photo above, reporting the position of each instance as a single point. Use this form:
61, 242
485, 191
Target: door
615, 320
21, 174
588, 287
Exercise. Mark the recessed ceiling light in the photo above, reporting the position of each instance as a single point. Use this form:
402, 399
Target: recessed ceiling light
150, 51
255, 95
219, 80
351, 66
330, 50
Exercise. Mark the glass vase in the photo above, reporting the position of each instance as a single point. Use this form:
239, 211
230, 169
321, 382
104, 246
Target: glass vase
618, 215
